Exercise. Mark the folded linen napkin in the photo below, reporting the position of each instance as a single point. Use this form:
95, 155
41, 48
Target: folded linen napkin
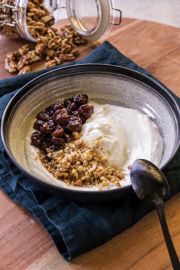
76, 227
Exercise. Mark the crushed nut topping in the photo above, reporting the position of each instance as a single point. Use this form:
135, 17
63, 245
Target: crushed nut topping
81, 165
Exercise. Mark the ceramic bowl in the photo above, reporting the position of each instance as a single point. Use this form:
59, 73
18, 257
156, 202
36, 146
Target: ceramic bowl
104, 84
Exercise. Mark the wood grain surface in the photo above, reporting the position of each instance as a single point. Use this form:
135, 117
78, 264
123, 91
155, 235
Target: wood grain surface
24, 244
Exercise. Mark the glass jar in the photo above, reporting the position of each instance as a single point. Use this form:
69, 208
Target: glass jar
90, 18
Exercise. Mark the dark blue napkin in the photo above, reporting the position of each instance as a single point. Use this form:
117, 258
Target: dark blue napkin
75, 227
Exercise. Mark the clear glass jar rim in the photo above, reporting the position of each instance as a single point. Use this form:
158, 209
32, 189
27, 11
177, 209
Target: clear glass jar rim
104, 8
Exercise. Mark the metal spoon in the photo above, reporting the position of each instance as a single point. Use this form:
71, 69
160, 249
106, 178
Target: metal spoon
151, 186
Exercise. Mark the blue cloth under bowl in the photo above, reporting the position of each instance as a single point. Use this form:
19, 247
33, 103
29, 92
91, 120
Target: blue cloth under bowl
76, 227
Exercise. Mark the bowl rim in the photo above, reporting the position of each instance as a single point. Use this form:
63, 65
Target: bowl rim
80, 69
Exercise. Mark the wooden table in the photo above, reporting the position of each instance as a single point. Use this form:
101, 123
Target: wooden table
24, 244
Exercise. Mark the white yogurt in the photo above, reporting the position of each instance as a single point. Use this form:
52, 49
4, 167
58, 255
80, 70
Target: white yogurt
126, 135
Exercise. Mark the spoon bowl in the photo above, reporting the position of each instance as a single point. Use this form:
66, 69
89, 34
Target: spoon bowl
148, 182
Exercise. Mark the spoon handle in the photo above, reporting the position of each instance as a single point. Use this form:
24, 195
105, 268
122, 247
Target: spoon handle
167, 237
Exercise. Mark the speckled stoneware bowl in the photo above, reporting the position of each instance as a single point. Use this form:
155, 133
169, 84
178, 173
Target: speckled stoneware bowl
104, 84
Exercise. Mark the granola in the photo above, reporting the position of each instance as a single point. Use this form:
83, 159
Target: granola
82, 165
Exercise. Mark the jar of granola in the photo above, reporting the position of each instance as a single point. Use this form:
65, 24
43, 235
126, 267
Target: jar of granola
29, 19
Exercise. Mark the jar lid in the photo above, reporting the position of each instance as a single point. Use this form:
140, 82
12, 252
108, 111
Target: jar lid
92, 18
